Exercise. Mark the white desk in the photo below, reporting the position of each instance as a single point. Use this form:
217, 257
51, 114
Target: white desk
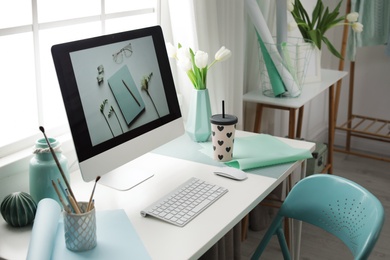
163, 240
309, 91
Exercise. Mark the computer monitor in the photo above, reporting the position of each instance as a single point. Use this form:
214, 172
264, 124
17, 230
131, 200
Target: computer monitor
120, 101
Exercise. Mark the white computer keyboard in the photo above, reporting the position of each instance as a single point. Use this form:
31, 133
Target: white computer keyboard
185, 202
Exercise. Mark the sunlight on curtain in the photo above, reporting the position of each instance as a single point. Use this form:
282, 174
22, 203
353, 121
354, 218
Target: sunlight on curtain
207, 25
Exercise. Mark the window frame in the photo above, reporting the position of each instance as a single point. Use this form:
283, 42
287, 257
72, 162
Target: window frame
16, 150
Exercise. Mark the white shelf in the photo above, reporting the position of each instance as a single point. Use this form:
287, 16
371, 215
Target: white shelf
309, 91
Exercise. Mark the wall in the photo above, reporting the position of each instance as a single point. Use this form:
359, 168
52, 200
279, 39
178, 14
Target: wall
371, 91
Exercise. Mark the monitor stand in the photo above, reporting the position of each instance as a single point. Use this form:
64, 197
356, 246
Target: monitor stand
127, 176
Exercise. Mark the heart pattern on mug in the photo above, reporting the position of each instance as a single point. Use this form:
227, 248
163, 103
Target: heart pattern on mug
223, 140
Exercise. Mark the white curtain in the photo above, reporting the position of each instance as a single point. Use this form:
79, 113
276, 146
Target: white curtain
207, 25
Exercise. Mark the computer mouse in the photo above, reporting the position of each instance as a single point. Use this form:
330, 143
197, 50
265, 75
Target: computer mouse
232, 173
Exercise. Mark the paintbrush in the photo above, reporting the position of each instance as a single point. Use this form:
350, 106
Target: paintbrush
60, 197
89, 207
59, 166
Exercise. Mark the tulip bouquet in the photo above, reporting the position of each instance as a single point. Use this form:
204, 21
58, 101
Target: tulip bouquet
322, 20
195, 64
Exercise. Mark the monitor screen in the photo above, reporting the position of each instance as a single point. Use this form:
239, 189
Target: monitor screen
120, 101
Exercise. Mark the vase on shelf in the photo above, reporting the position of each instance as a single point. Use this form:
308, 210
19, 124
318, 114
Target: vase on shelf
313, 73
198, 125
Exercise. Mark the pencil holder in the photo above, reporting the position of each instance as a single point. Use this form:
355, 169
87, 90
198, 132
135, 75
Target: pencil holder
80, 229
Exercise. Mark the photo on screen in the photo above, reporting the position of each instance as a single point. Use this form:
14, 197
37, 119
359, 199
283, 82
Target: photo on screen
120, 87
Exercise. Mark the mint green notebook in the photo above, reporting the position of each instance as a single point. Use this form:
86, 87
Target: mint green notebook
126, 94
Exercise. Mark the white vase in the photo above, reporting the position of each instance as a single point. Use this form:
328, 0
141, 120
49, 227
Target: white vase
313, 73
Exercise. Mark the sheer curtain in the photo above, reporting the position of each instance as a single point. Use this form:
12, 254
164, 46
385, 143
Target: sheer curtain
207, 25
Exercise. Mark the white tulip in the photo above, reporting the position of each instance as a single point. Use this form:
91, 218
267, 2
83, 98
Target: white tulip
183, 53
201, 59
292, 26
185, 64
357, 27
171, 50
352, 17
223, 54
290, 5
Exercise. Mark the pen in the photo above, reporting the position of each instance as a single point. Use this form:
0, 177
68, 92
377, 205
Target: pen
131, 93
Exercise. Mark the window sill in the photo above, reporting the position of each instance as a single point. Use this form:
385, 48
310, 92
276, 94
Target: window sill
18, 162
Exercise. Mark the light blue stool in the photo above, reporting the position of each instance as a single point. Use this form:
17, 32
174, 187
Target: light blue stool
335, 204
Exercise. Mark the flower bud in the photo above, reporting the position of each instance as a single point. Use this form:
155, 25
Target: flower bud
357, 27
183, 53
290, 5
185, 64
223, 54
201, 59
292, 26
171, 50
352, 17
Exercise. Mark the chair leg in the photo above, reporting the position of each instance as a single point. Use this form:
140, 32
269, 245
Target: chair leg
283, 244
272, 230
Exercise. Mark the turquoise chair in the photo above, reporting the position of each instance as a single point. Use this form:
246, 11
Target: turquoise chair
335, 204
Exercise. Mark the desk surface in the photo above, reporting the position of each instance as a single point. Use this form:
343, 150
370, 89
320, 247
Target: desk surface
163, 240
309, 91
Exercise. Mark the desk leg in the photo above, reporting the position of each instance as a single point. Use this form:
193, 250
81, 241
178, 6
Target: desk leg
300, 119
291, 124
259, 112
331, 128
244, 227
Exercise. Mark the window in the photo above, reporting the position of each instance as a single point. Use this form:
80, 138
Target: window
29, 91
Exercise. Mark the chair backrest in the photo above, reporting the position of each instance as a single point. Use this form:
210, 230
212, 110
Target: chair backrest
339, 206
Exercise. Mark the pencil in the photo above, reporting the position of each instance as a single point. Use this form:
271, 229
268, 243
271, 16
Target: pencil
124, 83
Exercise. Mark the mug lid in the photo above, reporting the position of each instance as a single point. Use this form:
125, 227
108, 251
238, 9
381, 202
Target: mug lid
218, 119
